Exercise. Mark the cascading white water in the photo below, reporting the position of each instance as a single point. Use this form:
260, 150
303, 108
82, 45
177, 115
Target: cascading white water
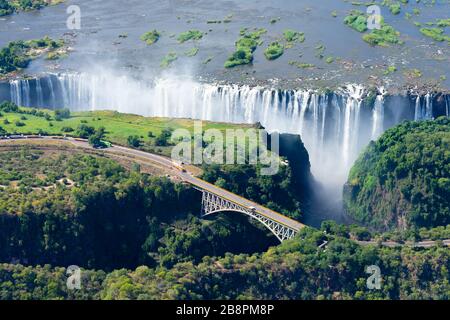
331, 125
424, 110
418, 110
447, 106
378, 115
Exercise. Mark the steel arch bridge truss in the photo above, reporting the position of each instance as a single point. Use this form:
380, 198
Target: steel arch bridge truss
212, 203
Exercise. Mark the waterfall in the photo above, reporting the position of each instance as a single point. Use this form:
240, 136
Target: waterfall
447, 106
428, 106
418, 110
334, 126
351, 123
40, 95
15, 91
378, 115
424, 107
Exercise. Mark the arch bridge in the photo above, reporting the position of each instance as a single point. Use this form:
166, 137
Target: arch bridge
281, 226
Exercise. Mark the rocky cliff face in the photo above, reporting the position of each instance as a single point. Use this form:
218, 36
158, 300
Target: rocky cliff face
293, 149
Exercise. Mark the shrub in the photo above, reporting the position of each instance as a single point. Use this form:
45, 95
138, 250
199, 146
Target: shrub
382, 37
134, 141
19, 123
67, 129
163, 139
62, 114
84, 131
274, 51
168, 59
239, 57
151, 37
356, 20
436, 34
8, 106
395, 8
244, 48
190, 35
292, 35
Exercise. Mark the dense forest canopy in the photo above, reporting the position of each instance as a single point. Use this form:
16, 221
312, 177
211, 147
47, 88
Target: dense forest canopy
297, 269
141, 237
64, 208
403, 179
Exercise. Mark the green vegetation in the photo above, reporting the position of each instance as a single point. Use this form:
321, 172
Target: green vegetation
64, 207
443, 23
395, 8
329, 59
10, 6
246, 180
139, 237
383, 37
356, 20
118, 126
227, 19
190, 35
390, 69
168, 59
5, 8
208, 60
319, 49
413, 73
151, 37
377, 37
403, 179
18, 54
296, 269
274, 51
191, 52
274, 20
134, 141
436, 34
292, 36
301, 65
245, 47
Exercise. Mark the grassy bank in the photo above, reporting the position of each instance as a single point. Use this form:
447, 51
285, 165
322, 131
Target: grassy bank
118, 126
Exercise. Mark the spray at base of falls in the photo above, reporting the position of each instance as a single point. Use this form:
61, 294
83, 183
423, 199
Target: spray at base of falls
334, 126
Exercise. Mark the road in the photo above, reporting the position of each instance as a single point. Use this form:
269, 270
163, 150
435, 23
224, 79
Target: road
188, 177
392, 244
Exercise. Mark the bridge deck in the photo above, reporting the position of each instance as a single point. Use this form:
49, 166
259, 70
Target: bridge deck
187, 177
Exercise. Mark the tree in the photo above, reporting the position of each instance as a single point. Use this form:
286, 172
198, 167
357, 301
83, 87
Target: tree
96, 139
62, 114
162, 140
8, 106
134, 141
85, 131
